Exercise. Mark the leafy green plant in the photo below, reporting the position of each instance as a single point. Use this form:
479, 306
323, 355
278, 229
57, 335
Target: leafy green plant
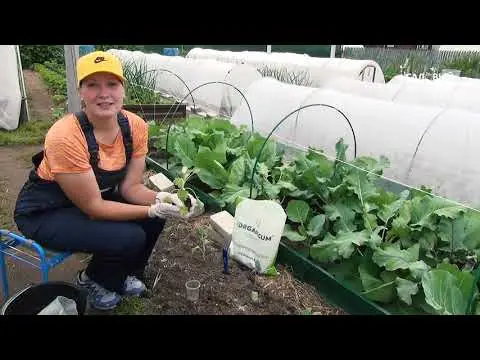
56, 82
391, 247
39, 54
182, 192
304, 226
391, 72
59, 68
202, 233
140, 84
290, 77
120, 47
468, 65
53, 74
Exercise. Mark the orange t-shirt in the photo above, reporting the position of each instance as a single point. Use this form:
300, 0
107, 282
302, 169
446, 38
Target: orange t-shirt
66, 149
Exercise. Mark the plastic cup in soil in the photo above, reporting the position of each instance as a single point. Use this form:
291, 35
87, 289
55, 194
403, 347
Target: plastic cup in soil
193, 289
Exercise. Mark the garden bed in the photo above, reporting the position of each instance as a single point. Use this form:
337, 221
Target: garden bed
177, 259
174, 262
314, 277
387, 250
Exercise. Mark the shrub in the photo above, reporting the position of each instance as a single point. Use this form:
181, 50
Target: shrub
32, 54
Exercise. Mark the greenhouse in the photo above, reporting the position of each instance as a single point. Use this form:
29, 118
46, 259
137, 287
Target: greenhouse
11, 79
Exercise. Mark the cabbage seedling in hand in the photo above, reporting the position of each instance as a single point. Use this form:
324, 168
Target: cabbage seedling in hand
182, 192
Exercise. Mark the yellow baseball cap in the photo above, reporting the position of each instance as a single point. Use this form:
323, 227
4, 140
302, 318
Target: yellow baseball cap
99, 61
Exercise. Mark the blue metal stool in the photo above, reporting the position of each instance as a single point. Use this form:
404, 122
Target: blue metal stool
47, 259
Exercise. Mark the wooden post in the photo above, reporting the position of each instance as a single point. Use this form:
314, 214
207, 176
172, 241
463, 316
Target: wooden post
25, 114
71, 57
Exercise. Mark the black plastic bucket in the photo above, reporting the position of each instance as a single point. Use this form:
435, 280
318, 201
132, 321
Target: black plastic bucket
34, 298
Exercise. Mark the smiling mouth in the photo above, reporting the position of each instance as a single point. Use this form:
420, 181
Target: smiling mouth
103, 104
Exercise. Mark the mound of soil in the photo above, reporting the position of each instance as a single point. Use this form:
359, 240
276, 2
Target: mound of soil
192, 250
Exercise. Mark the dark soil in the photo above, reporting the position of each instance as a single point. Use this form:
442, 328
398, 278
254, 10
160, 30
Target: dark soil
15, 162
191, 249
180, 256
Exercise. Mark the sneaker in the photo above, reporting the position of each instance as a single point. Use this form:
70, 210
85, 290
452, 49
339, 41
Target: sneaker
99, 297
133, 286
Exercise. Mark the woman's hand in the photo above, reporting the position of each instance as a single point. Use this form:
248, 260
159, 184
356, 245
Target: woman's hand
164, 211
196, 207
169, 198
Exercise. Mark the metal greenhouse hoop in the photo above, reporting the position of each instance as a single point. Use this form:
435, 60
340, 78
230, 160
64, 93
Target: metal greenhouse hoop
190, 93
286, 117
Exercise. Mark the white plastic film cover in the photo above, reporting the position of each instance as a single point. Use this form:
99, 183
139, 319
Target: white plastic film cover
466, 96
241, 76
270, 100
123, 55
199, 75
319, 69
10, 93
443, 92
203, 79
459, 79
362, 88
447, 157
403, 89
381, 128
363, 70
425, 92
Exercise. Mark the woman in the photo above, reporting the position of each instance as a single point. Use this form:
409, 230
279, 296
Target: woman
85, 193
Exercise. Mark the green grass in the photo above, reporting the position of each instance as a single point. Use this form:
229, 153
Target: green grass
130, 306
30, 133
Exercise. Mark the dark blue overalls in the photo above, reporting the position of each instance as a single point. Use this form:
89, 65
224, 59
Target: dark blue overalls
120, 248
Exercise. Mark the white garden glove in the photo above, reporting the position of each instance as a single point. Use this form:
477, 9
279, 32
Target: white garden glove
169, 198
164, 210
196, 208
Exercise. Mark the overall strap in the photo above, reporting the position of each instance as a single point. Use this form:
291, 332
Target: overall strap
89, 135
126, 135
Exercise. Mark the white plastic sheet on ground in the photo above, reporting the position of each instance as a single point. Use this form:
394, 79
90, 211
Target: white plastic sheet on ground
10, 94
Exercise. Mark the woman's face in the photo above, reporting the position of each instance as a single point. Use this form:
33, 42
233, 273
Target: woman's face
102, 94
